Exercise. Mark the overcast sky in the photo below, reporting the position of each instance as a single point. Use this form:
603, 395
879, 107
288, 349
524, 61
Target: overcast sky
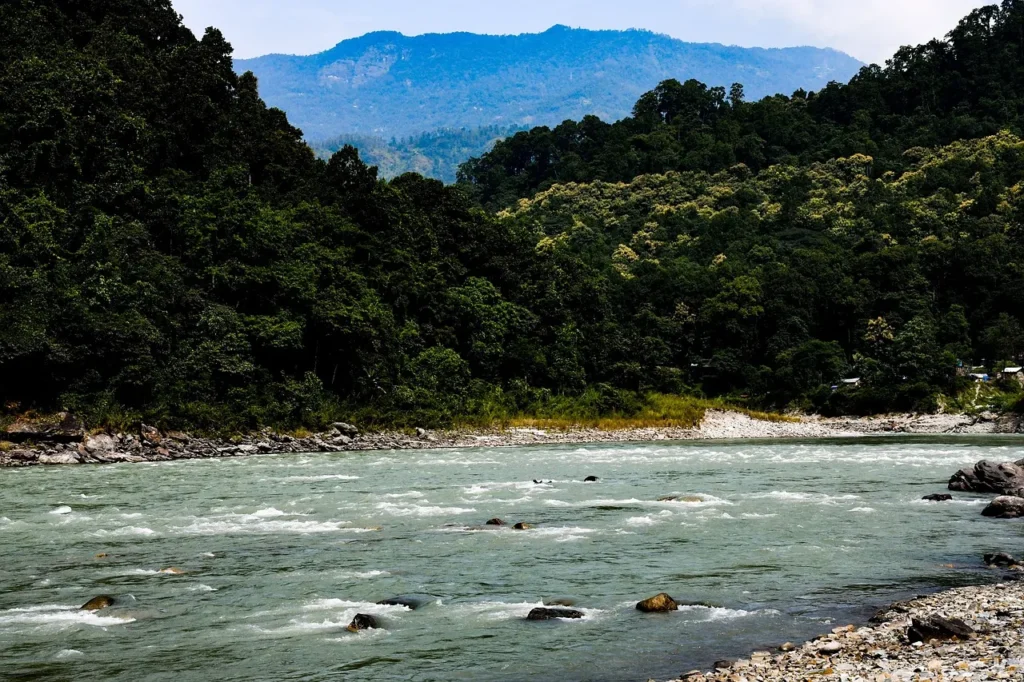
870, 30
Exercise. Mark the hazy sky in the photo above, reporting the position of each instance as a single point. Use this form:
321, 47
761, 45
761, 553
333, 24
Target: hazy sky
870, 30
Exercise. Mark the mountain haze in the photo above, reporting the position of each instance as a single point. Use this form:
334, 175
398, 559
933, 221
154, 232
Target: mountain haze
386, 84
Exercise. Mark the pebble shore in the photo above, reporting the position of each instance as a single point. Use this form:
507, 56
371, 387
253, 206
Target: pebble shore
154, 446
883, 652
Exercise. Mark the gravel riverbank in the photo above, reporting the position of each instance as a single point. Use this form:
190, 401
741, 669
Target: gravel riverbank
912, 641
68, 444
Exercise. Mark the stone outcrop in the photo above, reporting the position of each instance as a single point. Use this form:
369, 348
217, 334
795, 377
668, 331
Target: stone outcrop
58, 428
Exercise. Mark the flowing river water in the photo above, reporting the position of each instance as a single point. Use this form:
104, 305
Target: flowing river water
779, 540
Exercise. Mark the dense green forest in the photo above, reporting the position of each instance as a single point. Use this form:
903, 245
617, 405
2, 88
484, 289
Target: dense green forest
171, 250
437, 154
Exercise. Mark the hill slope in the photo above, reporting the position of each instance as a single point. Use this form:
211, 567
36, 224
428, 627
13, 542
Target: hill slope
391, 85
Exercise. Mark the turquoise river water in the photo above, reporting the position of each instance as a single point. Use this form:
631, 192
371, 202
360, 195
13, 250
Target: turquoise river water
781, 540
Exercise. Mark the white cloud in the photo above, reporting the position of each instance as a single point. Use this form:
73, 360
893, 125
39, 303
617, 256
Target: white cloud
871, 30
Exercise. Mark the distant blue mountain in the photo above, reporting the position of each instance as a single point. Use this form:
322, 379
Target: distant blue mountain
389, 85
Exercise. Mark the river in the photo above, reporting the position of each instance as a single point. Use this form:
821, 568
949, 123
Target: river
780, 541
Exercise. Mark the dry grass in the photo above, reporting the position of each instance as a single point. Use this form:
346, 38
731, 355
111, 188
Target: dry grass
660, 412
6, 446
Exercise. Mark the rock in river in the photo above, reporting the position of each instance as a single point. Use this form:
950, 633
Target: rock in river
937, 627
591, 479
363, 622
98, 603
1006, 507
495, 522
552, 614
990, 477
522, 526
939, 497
658, 604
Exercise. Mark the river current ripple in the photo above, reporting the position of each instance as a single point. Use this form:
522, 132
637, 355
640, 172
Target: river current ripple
772, 541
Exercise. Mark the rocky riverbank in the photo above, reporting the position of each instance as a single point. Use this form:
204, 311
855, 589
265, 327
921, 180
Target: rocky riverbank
966, 634
63, 442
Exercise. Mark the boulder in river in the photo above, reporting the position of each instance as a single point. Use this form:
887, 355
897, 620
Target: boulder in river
936, 627
522, 526
495, 522
938, 497
98, 603
1006, 507
990, 477
1000, 559
553, 614
591, 479
363, 621
661, 603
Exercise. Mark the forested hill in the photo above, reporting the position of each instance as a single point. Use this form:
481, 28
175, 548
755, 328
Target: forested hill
390, 85
171, 250
966, 86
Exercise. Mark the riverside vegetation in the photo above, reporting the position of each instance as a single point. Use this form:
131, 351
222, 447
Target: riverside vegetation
172, 252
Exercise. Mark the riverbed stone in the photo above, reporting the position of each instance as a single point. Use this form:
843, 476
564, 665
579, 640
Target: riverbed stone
938, 627
495, 522
938, 497
1005, 507
1000, 559
661, 603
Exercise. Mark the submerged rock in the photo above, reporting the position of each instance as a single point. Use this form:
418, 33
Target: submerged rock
661, 603
591, 479
560, 602
172, 571
938, 497
553, 614
495, 522
1006, 507
363, 622
1000, 559
522, 526
990, 477
409, 601
936, 627
98, 603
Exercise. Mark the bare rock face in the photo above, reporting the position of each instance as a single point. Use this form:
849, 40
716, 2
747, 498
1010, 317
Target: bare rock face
936, 627
98, 603
661, 603
58, 428
553, 614
100, 444
990, 477
346, 429
59, 458
1006, 507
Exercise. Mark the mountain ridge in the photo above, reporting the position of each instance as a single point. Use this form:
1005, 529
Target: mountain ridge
388, 84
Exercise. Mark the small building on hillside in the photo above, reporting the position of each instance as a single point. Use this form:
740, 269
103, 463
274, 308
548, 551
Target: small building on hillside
1013, 374
851, 383
980, 377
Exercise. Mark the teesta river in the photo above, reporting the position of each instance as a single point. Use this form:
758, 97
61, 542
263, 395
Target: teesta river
768, 541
